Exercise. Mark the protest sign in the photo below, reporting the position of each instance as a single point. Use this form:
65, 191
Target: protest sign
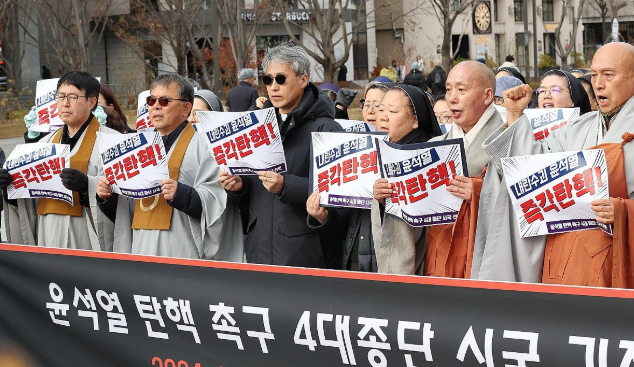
134, 164
35, 170
353, 126
46, 106
419, 175
546, 120
244, 142
551, 193
143, 122
501, 110
344, 168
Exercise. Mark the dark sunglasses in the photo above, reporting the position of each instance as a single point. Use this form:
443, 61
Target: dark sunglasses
279, 79
163, 101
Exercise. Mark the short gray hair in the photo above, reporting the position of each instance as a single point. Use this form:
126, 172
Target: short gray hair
287, 53
185, 89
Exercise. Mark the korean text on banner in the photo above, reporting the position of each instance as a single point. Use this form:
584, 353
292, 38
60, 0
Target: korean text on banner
551, 193
143, 123
244, 142
134, 164
46, 106
419, 175
353, 126
344, 168
546, 120
35, 170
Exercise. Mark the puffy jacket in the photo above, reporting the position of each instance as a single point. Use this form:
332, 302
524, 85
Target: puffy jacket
277, 233
416, 78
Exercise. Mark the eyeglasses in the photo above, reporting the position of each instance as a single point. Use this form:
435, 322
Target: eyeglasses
369, 105
279, 79
553, 91
444, 118
72, 97
163, 101
498, 100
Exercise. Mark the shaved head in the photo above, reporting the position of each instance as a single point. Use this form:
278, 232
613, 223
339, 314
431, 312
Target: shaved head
612, 73
470, 88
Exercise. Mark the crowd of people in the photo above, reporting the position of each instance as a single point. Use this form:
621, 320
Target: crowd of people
272, 218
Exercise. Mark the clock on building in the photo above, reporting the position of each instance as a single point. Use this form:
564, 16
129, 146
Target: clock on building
482, 18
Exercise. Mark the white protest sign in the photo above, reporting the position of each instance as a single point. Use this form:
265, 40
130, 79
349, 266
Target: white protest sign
419, 175
46, 106
143, 123
353, 126
134, 164
551, 193
244, 142
545, 120
501, 110
344, 168
35, 170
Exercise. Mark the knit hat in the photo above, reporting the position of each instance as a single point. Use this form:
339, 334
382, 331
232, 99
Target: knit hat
245, 74
213, 102
415, 65
505, 82
329, 86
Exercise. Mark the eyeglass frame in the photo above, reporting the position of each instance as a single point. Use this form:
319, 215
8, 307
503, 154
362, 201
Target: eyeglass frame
446, 116
375, 105
552, 91
72, 97
498, 98
159, 99
278, 81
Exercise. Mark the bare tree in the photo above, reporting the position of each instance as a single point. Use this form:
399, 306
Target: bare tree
447, 15
326, 29
12, 53
608, 10
564, 50
72, 29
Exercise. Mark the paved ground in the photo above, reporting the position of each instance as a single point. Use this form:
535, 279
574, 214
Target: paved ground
8, 144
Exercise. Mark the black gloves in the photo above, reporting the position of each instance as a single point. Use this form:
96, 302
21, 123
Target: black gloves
345, 97
5, 178
74, 180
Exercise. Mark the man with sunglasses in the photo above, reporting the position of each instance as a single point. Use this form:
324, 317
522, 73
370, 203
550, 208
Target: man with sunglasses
188, 219
55, 223
577, 258
277, 230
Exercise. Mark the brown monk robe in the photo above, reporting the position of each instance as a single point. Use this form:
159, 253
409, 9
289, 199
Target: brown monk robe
449, 251
592, 257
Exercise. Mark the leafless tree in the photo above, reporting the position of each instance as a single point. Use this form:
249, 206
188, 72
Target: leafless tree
12, 53
71, 30
563, 50
326, 29
608, 10
447, 15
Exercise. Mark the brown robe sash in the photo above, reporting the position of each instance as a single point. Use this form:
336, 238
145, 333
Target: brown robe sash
78, 161
449, 251
154, 212
592, 257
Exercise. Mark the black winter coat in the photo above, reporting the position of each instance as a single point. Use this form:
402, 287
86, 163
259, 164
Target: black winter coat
241, 97
437, 88
277, 233
416, 78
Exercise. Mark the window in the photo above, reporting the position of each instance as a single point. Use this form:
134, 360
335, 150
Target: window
519, 16
456, 5
548, 12
495, 10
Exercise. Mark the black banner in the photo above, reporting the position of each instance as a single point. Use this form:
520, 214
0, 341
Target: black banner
79, 308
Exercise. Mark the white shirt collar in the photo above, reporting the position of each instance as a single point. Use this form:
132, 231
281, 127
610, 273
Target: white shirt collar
469, 137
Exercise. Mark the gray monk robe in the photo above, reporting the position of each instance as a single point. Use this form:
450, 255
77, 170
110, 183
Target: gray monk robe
54, 223
500, 253
160, 230
400, 248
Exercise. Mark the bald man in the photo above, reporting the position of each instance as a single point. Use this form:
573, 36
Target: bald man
446, 248
584, 257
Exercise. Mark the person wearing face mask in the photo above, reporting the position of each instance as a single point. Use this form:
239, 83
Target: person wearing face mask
586, 257
446, 250
55, 223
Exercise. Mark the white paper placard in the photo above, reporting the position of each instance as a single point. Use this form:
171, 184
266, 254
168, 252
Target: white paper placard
46, 106
419, 175
551, 193
244, 142
545, 120
35, 170
354, 126
134, 164
344, 168
143, 123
